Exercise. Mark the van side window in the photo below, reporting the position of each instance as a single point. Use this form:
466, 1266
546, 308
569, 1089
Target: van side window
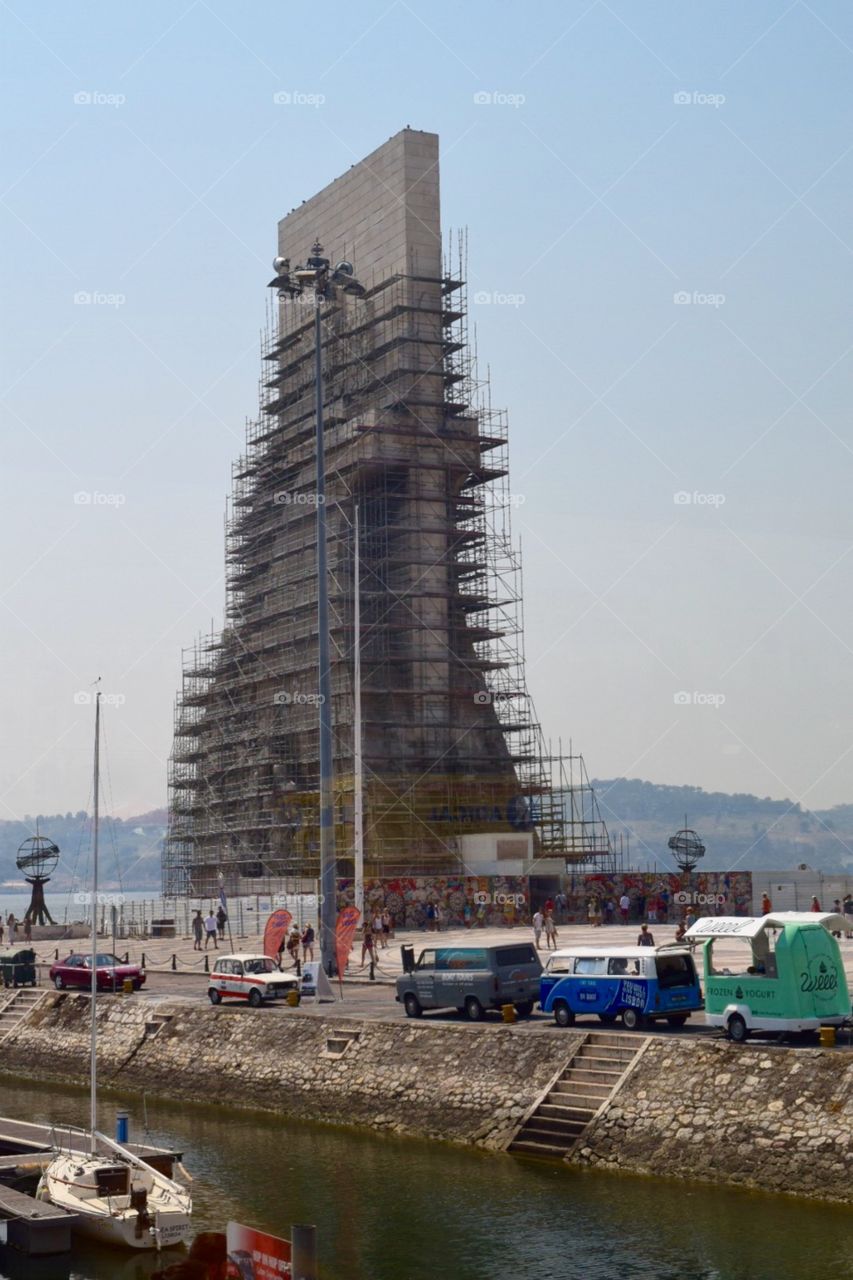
563, 965
590, 965
617, 966
515, 955
456, 960
426, 960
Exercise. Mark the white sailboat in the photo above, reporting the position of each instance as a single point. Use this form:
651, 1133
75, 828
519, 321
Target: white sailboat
117, 1197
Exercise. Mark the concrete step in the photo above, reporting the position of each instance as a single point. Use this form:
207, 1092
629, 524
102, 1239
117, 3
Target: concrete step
525, 1147
611, 1039
603, 1053
552, 1128
580, 1089
561, 1112
595, 1075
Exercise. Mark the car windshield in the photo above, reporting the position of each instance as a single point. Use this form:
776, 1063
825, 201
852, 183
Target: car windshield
105, 961
258, 964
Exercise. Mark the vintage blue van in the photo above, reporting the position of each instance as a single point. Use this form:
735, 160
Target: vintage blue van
636, 984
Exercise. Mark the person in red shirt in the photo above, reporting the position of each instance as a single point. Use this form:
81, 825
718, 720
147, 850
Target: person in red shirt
766, 904
815, 904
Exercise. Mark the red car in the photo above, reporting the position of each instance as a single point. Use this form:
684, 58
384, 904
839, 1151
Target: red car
76, 971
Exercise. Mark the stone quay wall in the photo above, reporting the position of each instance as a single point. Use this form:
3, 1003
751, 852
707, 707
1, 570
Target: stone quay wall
760, 1116
754, 1115
454, 1083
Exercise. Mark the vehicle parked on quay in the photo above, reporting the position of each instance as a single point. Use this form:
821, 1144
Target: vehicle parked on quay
470, 979
636, 984
111, 972
250, 977
791, 978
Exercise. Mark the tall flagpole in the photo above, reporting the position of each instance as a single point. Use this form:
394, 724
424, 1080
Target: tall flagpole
93, 1063
358, 814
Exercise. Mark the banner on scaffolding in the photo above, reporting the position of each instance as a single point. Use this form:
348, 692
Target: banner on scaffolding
275, 932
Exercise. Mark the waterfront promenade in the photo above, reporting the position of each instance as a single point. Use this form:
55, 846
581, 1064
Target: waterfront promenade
363, 997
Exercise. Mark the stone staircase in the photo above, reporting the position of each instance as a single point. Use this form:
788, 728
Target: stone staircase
595, 1071
17, 1005
339, 1040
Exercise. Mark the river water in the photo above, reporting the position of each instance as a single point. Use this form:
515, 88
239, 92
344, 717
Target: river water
399, 1209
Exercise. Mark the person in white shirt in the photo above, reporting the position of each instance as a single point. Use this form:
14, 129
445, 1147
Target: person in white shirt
538, 924
624, 907
210, 930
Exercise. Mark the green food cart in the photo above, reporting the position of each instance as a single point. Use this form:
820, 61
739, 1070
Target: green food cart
787, 974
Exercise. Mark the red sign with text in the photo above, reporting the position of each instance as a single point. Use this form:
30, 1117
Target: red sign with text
253, 1255
275, 932
344, 934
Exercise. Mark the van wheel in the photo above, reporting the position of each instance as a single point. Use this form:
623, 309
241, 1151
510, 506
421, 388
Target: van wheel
563, 1015
632, 1019
215, 997
607, 1018
255, 998
473, 1009
412, 1005
737, 1029
524, 1008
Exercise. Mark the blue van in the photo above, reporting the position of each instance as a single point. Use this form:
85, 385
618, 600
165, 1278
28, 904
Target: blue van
636, 984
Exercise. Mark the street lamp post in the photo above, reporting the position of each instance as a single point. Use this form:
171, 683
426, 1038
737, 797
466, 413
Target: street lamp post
318, 277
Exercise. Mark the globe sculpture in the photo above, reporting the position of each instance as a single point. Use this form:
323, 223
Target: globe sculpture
688, 849
37, 858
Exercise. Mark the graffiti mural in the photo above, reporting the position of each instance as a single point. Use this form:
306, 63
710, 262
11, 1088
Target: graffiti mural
471, 901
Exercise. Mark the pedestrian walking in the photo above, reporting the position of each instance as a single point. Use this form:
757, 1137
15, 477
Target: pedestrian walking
221, 921
308, 944
198, 931
430, 917
1, 931
376, 925
387, 927
10, 925
847, 909
646, 938
624, 907
653, 910
680, 931
550, 932
766, 904
815, 903
28, 928
609, 911
561, 904
367, 945
293, 941
538, 926
210, 930
663, 905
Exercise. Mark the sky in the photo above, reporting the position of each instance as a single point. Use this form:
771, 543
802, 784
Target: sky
658, 200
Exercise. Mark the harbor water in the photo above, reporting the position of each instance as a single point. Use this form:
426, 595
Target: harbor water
397, 1209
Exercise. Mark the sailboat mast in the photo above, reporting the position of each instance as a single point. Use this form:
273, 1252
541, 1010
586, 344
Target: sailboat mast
358, 797
93, 1064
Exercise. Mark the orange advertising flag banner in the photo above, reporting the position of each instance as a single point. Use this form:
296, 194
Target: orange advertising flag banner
254, 1253
344, 934
275, 931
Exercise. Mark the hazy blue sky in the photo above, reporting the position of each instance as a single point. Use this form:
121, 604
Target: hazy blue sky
629, 153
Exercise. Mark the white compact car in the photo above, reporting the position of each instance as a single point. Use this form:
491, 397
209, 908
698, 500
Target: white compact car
247, 977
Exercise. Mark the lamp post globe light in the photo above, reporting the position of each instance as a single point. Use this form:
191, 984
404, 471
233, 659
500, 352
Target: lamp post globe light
320, 279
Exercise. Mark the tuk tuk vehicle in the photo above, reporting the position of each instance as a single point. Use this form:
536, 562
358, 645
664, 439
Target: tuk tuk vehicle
18, 967
636, 984
470, 979
789, 976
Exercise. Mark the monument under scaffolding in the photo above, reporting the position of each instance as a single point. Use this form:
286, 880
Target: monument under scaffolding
457, 778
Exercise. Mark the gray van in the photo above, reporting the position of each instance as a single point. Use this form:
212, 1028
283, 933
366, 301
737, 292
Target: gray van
470, 979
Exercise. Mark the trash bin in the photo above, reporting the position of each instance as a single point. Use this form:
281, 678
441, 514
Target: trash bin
18, 967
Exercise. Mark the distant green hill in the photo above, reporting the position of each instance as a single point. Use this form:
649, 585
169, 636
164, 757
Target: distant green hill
129, 851
739, 829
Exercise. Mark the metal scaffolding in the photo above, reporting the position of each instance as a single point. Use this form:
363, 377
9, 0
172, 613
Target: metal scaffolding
450, 741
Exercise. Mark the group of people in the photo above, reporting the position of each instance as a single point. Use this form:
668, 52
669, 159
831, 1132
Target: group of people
12, 926
544, 922
298, 937
211, 928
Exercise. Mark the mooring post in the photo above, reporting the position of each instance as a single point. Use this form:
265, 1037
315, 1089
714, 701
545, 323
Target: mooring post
303, 1250
174, 962
206, 965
